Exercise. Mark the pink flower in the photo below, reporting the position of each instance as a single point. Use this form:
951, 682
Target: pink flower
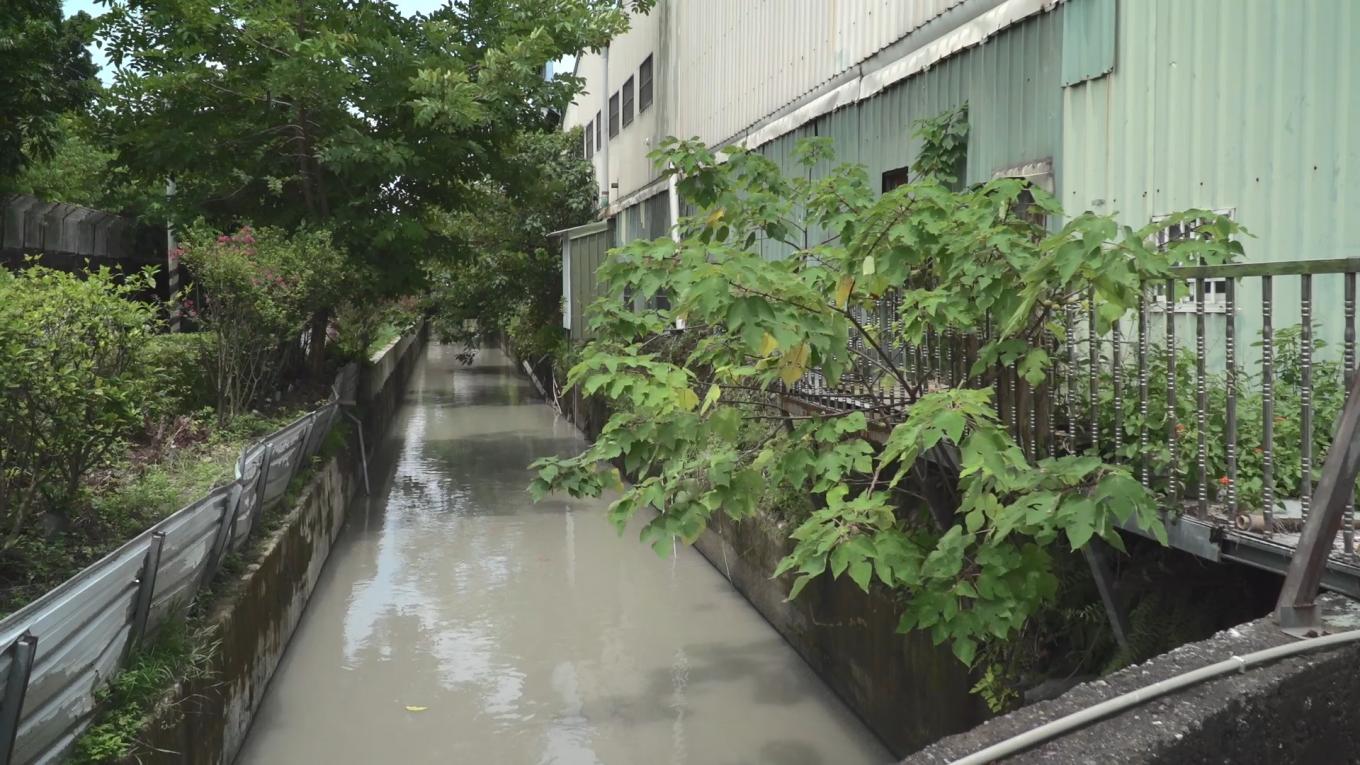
223, 239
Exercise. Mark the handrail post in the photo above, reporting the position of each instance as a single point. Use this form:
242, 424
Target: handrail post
223, 539
22, 653
146, 588
1296, 611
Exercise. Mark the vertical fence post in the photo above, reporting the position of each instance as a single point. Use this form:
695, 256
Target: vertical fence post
21, 655
223, 538
1268, 403
146, 588
1143, 388
1306, 393
1173, 486
1347, 376
1230, 299
1201, 401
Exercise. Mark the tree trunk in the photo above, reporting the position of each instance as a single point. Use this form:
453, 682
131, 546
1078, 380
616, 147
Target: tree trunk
316, 345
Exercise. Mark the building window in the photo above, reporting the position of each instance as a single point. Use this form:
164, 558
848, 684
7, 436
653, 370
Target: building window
645, 85
894, 178
628, 102
590, 140
1215, 289
613, 115
598, 131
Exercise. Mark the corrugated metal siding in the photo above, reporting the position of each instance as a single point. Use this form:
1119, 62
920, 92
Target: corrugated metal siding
1242, 104
1088, 40
1010, 83
740, 61
587, 254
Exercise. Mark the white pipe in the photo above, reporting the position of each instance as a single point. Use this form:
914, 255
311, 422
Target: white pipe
1081, 719
673, 199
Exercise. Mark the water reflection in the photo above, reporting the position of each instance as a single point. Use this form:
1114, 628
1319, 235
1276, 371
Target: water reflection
457, 622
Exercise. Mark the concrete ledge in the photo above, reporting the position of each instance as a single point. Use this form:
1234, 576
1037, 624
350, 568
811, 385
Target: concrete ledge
1297, 710
254, 618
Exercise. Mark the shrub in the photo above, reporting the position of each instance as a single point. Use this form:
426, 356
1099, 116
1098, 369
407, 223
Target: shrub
180, 362
258, 288
71, 383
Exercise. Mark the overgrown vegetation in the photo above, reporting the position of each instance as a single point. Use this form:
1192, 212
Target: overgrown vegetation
506, 277
180, 652
973, 562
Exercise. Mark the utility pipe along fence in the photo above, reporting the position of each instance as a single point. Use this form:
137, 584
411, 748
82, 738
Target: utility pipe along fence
62, 647
1178, 392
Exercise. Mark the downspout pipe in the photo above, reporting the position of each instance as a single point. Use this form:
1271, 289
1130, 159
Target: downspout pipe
604, 155
1078, 720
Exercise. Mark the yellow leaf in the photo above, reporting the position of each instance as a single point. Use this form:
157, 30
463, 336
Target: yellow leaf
869, 265
768, 344
410, 708
688, 399
712, 396
793, 364
715, 216
843, 288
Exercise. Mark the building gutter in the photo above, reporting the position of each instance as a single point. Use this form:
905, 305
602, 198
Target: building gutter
962, 27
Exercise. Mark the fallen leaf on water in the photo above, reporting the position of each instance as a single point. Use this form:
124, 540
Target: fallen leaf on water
410, 708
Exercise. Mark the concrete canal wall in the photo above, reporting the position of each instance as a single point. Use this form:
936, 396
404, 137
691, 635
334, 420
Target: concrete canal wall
207, 721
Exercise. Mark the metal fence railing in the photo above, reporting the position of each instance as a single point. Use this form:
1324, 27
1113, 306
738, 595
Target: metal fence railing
59, 649
1218, 392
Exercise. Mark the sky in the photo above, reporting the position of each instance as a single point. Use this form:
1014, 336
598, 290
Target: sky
407, 6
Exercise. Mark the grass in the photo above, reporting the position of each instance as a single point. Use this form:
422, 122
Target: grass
181, 651
386, 333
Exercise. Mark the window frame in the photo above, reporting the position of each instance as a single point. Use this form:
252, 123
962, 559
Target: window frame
645, 84
628, 102
599, 120
891, 179
590, 140
1215, 288
614, 115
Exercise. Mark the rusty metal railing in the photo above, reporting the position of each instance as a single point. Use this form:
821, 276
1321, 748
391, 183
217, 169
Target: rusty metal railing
1219, 391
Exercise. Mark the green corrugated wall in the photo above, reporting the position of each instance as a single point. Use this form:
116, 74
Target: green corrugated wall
1010, 83
1249, 105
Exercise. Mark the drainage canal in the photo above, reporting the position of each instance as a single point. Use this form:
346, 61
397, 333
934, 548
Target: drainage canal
457, 622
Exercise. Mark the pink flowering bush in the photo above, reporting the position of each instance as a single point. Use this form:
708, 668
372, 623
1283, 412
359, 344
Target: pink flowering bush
254, 290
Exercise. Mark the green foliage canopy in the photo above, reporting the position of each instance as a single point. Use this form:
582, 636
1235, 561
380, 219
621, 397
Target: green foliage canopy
338, 112
45, 72
705, 428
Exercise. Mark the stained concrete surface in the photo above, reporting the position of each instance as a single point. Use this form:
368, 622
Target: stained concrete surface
458, 622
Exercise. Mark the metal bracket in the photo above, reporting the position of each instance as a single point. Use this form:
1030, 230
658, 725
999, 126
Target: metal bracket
363, 453
146, 588
21, 655
224, 532
1297, 611
1095, 553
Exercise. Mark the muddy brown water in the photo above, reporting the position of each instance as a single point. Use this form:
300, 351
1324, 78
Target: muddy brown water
457, 622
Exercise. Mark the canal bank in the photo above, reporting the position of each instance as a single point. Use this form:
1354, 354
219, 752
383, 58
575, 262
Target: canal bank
457, 622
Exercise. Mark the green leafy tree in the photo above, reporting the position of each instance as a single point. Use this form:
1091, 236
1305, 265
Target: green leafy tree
45, 72
341, 114
257, 289
504, 272
949, 509
76, 171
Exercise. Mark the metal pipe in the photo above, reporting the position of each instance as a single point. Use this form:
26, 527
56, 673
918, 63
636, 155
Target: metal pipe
1085, 717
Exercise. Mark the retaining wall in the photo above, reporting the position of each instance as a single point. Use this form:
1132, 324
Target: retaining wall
1300, 710
207, 721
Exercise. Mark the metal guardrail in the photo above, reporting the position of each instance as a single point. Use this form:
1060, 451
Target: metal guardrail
59, 649
1096, 379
